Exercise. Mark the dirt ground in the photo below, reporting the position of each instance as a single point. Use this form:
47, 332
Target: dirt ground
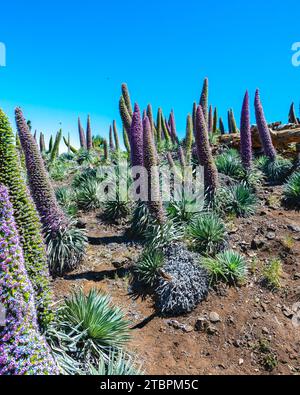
247, 330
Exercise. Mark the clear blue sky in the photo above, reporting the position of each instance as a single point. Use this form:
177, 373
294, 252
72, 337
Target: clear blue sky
69, 58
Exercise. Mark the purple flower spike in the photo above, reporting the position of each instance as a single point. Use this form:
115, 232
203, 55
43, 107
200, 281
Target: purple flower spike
23, 351
89, 136
205, 155
41, 188
136, 138
81, 135
246, 138
264, 132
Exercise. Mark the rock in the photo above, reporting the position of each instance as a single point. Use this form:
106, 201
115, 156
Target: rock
188, 329
257, 243
271, 236
265, 331
294, 228
212, 330
201, 324
287, 312
241, 362
214, 317
237, 343
256, 316
118, 263
297, 276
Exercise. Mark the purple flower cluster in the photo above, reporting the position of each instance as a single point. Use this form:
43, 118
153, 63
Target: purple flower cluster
264, 131
246, 138
23, 351
204, 100
41, 189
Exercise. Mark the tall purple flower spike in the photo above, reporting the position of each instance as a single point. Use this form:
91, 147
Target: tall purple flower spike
205, 155
172, 125
23, 351
151, 165
210, 120
89, 136
81, 135
246, 138
41, 188
204, 100
136, 138
264, 132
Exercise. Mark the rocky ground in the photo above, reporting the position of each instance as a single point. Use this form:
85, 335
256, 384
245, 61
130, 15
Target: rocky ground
246, 330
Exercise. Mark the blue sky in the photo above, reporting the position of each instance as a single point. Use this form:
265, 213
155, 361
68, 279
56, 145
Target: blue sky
69, 58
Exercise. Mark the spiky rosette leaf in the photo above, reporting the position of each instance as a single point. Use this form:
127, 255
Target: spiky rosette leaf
205, 155
23, 351
27, 220
264, 132
246, 138
89, 135
81, 135
292, 190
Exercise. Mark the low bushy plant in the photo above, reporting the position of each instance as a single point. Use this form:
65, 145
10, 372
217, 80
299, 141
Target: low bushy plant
228, 266
276, 171
149, 264
207, 234
90, 195
292, 190
65, 249
238, 200
66, 198
116, 209
229, 163
272, 273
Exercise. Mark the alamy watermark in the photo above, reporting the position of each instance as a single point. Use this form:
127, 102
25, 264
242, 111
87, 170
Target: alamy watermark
2, 55
137, 184
296, 55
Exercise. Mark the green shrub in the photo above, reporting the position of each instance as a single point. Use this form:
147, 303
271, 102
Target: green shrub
66, 199
207, 234
159, 235
292, 190
229, 163
238, 200
116, 209
118, 364
90, 195
182, 211
272, 273
140, 221
148, 265
65, 249
100, 325
228, 266
276, 171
